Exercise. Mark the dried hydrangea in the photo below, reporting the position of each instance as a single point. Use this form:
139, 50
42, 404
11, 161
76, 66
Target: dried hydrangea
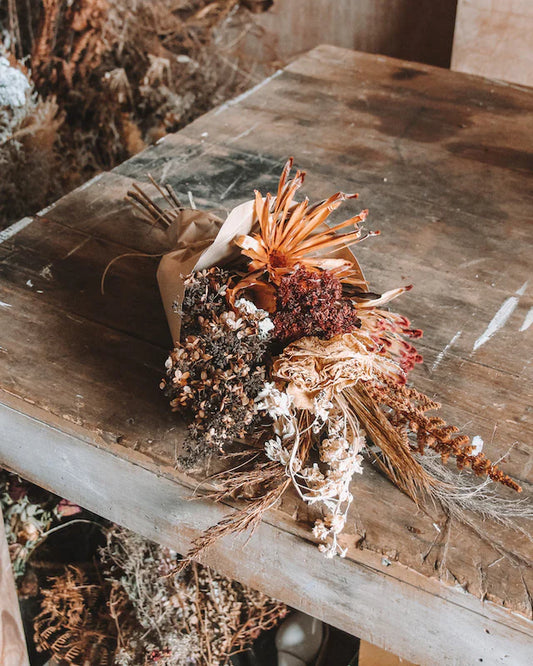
219, 367
310, 303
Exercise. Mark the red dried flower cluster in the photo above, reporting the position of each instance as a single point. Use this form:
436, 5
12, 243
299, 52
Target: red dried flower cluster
310, 303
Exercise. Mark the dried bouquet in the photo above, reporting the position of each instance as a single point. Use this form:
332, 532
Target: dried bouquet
281, 347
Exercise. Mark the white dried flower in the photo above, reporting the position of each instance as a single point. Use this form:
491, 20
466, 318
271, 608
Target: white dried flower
230, 320
247, 307
264, 323
320, 531
273, 401
285, 427
276, 451
477, 444
337, 522
321, 408
314, 476
332, 450
265, 326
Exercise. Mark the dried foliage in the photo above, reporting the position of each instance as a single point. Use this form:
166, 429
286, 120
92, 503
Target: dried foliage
133, 608
219, 367
73, 623
70, 43
29, 129
195, 616
30, 515
464, 495
405, 409
123, 73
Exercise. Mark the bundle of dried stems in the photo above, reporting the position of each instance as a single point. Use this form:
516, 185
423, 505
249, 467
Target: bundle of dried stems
133, 609
336, 369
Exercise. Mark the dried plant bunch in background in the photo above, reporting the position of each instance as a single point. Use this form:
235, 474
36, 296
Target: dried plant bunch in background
326, 385
195, 616
30, 516
123, 74
131, 607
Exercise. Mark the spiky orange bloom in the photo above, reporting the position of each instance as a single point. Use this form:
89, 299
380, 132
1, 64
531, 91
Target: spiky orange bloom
289, 236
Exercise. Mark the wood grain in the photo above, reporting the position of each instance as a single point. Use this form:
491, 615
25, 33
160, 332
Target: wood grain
495, 39
12, 643
443, 161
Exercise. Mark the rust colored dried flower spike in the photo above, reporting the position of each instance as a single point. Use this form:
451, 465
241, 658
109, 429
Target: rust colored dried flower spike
405, 408
289, 236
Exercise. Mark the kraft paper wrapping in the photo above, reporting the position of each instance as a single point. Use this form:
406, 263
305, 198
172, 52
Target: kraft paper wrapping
200, 240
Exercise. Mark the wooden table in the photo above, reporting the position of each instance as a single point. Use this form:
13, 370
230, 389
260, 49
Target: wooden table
442, 160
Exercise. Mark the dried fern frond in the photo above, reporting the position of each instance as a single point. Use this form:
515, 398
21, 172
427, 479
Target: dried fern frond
405, 409
73, 623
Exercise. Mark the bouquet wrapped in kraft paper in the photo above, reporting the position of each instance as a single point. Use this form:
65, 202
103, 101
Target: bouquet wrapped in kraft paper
286, 364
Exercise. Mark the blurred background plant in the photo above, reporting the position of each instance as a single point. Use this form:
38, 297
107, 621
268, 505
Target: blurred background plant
85, 84
95, 593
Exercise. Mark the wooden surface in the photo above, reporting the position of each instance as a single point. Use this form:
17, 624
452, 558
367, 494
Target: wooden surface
12, 642
443, 161
420, 30
494, 38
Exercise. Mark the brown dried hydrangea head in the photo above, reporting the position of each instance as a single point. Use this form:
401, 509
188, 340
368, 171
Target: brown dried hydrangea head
310, 303
219, 366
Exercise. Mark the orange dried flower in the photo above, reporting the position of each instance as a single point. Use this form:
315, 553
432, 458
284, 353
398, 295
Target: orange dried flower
289, 236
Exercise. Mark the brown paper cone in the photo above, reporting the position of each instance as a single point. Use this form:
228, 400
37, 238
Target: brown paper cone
200, 240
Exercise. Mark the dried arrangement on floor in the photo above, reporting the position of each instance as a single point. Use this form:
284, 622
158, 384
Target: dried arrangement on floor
29, 130
119, 74
133, 609
281, 345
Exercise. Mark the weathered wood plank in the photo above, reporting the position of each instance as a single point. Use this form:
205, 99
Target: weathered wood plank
421, 31
428, 626
12, 642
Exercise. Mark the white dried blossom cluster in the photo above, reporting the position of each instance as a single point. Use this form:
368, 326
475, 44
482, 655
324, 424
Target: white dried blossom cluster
327, 481
277, 404
340, 454
264, 323
276, 451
